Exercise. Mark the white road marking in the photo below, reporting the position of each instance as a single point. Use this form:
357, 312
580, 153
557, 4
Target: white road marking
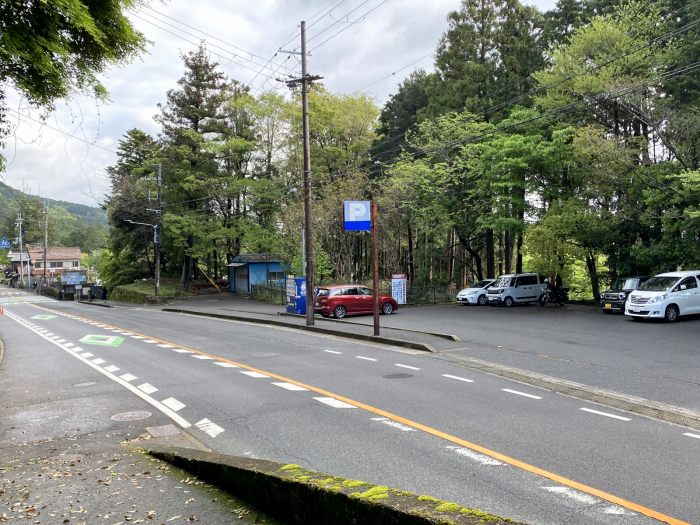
150, 341
127, 377
137, 337
182, 351
210, 428
458, 378
406, 366
573, 494
98, 361
148, 388
165, 346
173, 404
394, 424
68, 344
111, 368
517, 393
333, 352
290, 386
365, 358
60, 340
86, 355
253, 374
614, 416
691, 435
615, 510
225, 365
203, 357
335, 403
479, 458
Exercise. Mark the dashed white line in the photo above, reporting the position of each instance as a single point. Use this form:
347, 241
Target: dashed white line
127, 377
573, 494
137, 337
225, 365
86, 354
173, 404
691, 435
68, 344
458, 378
60, 340
210, 428
518, 393
150, 341
98, 361
182, 351
111, 368
394, 424
335, 403
253, 374
365, 358
333, 352
290, 386
165, 346
203, 357
479, 458
148, 388
407, 366
614, 416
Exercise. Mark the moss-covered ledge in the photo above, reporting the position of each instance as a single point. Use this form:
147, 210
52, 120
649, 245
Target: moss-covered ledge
296, 495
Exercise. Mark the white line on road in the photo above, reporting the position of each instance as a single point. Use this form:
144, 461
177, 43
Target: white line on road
150, 341
479, 458
394, 424
127, 377
111, 368
137, 337
182, 351
517, 393
86, 355
148, 388
458, 378
165, 346
98, 361
290, 386
332, 352
210, 428
406, 366
691, 435
614, 416
253, 374
335, 403
225, 365
173, 404
203, 357
68, 344
573, 494
365, 358
60, 340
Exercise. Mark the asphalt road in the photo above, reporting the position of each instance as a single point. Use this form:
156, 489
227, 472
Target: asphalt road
405, 419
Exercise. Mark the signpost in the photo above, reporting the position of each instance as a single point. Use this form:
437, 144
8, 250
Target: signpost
362, 216
4, 243
398, 287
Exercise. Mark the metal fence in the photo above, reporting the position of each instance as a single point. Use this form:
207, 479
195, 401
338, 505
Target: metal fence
268, 294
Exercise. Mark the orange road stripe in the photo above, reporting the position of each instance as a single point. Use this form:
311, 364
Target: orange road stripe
432, 431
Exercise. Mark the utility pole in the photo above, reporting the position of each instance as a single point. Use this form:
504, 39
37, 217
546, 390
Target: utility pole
158, 210
305, 81
18, 223
46, 235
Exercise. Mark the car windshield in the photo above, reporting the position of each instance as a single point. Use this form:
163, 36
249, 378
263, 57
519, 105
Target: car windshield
321, 292
659, 284
481, 284
625, 284
503, 281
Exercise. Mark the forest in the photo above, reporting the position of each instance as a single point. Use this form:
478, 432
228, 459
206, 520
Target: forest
565, 141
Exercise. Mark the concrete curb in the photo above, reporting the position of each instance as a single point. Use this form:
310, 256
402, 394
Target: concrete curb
450, 337
103, 305
300, 496
339, 333
2, 351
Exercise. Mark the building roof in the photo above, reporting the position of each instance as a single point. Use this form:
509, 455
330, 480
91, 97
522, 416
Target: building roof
257, 258
55, 254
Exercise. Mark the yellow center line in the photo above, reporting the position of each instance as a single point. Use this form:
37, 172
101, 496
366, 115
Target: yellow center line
635, 507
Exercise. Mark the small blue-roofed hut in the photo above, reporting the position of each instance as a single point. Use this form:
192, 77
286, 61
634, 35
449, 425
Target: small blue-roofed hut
249, 269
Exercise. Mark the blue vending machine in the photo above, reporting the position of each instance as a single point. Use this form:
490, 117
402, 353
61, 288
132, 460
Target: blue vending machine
296, 295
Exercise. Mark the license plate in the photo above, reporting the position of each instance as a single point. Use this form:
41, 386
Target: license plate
608, 306
634, 310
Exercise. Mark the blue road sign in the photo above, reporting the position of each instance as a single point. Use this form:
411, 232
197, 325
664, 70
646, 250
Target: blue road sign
4, 244
356, 216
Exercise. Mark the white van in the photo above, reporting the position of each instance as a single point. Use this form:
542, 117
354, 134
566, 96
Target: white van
666, 296
516, 288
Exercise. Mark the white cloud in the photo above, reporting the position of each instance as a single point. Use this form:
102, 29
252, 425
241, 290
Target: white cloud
42, 160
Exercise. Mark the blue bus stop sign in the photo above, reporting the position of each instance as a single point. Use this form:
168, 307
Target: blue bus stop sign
356, 216
4, 244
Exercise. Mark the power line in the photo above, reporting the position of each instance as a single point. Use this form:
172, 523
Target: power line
360, 19
395, 72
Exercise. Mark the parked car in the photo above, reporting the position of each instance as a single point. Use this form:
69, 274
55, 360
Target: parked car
350, 299
516, 288
666, 296
476, 293
613, 299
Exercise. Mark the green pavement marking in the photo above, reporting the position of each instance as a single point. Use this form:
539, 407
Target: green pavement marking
103, 340
44, 317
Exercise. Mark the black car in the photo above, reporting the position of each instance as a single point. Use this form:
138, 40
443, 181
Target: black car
613, 300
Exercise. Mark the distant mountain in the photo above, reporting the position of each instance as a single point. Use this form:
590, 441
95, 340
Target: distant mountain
86, 214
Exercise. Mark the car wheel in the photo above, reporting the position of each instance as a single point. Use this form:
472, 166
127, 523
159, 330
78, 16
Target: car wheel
508, 301
671, 314
482, 300
387, 308
339, 312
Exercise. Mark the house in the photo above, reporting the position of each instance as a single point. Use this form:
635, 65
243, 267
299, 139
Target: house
15, 258
249, 269
58, 261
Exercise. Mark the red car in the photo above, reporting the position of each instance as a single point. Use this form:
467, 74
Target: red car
349, 299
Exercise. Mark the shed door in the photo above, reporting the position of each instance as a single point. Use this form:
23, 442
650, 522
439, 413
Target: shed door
242, 279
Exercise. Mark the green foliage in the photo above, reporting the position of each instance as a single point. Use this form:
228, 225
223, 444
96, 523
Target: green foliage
139, 292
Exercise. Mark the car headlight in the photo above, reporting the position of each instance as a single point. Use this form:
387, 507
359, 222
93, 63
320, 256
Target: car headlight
622, 296
657, 299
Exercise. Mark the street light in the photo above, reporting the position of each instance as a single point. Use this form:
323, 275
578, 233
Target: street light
156, 242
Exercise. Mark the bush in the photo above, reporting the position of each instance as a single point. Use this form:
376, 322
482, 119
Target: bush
141, 292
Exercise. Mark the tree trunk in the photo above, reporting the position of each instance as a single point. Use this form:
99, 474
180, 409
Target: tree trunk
490, 262
519, 253
508, 250
593, 275
411, 260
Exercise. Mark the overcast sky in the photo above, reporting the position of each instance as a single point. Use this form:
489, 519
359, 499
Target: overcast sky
369, 40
